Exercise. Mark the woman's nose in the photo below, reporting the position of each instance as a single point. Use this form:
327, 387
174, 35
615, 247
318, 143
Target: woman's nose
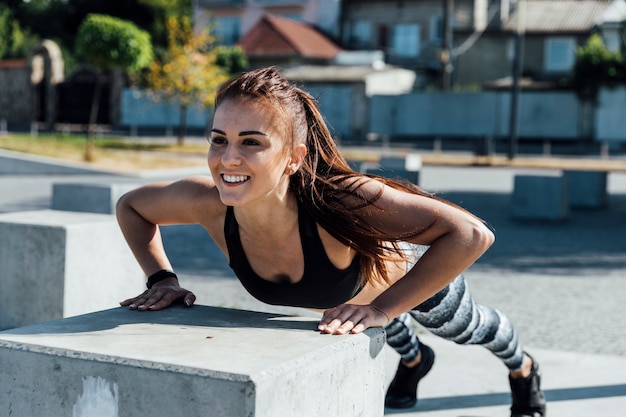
231, 155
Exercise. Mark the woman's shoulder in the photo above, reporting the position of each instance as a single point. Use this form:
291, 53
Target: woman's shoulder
200, 187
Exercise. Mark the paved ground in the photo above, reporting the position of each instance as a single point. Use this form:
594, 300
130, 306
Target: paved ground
563, 285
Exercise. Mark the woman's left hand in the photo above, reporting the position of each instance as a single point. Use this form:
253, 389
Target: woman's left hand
351, 318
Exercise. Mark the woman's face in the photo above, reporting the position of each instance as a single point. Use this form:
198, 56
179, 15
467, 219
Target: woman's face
249, 156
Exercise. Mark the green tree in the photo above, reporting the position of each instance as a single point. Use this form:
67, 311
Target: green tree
188, 73
59, 20
163, 10
15, 42
596, 67
109, 43
231, 58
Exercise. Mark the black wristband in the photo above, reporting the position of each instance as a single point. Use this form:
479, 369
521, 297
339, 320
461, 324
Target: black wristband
160, 276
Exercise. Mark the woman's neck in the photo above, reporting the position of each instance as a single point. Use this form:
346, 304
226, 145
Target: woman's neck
273, 219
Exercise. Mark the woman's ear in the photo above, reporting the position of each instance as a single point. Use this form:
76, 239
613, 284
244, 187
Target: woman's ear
297, 157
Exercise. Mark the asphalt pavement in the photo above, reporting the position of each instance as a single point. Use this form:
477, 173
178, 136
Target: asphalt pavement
562, 284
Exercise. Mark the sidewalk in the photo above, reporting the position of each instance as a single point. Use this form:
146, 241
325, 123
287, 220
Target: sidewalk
469, 381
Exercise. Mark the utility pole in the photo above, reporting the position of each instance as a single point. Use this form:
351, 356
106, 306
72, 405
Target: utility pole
446, 53
518, 59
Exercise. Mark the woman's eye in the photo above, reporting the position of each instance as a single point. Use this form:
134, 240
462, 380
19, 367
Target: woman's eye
217, 140
250, 142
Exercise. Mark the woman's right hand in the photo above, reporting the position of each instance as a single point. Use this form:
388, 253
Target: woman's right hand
160, 296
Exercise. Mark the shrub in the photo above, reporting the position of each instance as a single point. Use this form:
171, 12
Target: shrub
108, 42
596, 67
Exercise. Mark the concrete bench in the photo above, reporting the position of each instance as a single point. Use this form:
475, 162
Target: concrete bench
199, 361
540, 197
91, 198
587, 189
407, 168
57, 264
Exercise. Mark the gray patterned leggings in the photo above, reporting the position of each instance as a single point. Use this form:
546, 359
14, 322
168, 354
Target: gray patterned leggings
453, 315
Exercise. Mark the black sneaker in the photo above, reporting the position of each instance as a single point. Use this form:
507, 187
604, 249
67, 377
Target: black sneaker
402, 392
528, 399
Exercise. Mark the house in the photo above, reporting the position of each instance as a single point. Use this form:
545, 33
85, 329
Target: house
230, 20
411, 34
551, 31
275, 40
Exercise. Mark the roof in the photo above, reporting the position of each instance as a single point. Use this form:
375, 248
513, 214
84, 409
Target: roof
559, 15
614, 14
382, 80
278, 36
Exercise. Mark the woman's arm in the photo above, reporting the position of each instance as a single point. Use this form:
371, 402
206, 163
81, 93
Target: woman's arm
140, 211
456, 239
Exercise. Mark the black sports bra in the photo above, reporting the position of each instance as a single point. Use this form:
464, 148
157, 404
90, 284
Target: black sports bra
322, 285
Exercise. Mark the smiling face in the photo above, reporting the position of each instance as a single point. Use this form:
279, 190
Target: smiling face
250, 156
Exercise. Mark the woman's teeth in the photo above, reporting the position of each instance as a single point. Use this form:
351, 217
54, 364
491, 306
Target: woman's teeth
235, 178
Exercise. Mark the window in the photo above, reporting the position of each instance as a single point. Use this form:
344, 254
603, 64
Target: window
359, 34
436, 30
559, 54
405, 40
226, 29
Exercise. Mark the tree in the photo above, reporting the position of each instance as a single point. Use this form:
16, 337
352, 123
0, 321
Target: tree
109, 43
59, 20
231, 58
15, 42
188, 73
596, 67
162, 11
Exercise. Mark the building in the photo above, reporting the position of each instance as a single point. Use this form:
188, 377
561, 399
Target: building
230, 20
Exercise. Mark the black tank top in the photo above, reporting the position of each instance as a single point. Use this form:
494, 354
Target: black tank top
322, 285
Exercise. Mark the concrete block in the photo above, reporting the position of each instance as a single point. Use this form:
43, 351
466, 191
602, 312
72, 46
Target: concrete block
587, 189
407, 168
540, 197
57, 264
199, 361
91, 198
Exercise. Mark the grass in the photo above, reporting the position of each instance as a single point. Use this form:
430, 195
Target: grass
114, 153
124, 155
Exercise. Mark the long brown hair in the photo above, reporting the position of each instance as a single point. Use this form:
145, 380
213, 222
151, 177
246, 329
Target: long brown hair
325, 185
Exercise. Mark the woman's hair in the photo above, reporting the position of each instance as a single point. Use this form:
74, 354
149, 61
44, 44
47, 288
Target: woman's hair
325, 185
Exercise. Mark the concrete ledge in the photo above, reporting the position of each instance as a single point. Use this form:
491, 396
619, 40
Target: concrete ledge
587, 189
57, 264
538, 197
198, 361
91, 198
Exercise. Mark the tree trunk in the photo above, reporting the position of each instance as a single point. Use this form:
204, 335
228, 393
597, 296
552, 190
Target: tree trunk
93, 119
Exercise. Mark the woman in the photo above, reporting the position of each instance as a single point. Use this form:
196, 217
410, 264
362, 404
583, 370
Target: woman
300, 228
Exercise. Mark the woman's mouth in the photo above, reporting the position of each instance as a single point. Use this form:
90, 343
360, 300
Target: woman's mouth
235, 179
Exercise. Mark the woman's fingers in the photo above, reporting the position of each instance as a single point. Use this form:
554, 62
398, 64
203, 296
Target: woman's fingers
190, 298
349, 318
159, 298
